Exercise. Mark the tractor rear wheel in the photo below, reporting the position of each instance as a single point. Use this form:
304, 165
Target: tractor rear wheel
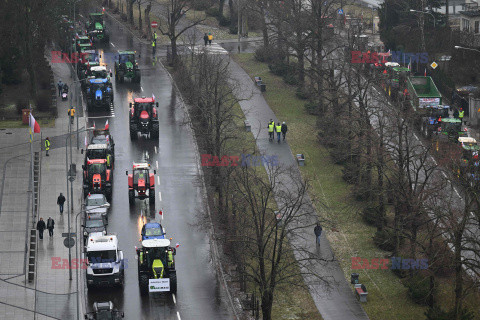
151, 195
143, 284
131, 197
173, 283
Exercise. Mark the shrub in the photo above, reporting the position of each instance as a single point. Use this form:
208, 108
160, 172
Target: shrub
350, 173
43, 100
123, 16
233, 29
303, 93
291, 79
418, 288
265, 54
213, 12
224, 21
385, 239
436, 313
280, 68
201, 5
311, 107
370, 215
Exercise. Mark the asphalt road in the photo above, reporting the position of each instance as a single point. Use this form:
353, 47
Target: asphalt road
199, 293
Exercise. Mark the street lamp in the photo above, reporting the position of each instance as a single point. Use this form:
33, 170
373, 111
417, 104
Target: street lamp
458, 47
434, 20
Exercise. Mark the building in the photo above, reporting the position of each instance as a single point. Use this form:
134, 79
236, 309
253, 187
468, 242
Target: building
469, 28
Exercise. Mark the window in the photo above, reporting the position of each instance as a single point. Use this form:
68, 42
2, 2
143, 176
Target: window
466, 25
477, 26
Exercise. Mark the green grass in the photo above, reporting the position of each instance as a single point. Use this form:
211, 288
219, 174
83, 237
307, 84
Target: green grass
387, 298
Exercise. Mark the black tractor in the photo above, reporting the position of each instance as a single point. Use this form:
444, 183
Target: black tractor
144, 118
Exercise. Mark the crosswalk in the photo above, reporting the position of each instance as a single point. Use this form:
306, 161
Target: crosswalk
214, 48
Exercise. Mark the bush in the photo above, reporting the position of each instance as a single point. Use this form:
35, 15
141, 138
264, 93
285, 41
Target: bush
265, 54
213, 12
303, 93
280, 68
370, 215
385, 239
418, 288
350, 173
436, 313
201, 5
223, 21
311, 107
233, 29
43, 100
291, 79
123, 16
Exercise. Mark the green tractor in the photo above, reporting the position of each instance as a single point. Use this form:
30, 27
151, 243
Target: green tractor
156, 266
82, 43
451, 128
96, 28
126, 67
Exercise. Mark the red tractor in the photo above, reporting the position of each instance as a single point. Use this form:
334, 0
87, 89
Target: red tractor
141, 180
144, 118
97, 178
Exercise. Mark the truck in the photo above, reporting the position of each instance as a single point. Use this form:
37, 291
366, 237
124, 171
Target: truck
105, 265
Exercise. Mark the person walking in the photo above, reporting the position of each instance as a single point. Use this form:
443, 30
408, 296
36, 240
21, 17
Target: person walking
205, 39
155, 36
60, 87
284, 130
60, 202
278, 128
461, 113
47, 145
154, 45
210, 38
271, 126
50, 226
71, 113
41, 227
318, 233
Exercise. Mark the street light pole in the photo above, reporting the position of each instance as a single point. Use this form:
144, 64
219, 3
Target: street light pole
464, 48
434, 20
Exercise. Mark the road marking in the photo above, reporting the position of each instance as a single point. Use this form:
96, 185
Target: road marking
160, 195
141, 88
178, 316
112, 44
155, 148
458, 194
101, 117
156, 162
158, 180
173, 297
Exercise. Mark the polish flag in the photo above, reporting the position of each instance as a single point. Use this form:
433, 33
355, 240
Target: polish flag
86, 141
34, 124
153, 96
177, 245
425, 72
106, 125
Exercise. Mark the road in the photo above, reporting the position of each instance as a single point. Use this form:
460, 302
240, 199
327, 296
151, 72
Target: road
173, 156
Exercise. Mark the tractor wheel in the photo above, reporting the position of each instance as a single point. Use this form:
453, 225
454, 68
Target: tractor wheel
137, 77
151, 195
154, 132
143, 284
89, 286
133, 134
131, 197
108, 194
173, 283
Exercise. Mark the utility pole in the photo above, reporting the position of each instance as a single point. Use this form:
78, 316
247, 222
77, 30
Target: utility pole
238, 23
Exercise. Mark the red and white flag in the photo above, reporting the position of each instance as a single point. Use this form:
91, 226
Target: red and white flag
34, 124
106, 125
177, 245
86, 141
153, 96
425, 72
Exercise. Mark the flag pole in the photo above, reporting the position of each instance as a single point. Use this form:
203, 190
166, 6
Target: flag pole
31, 162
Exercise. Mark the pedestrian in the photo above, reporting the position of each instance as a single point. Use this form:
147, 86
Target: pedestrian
318, 233
47, 145
271, 126
205, 39
41, 227
60, 202
60, 87
154, 45
50, 226
284, 130
278, 128
461, 113
210, 38
155, 36
71, 113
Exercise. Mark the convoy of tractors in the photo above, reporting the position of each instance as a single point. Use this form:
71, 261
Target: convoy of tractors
156, 263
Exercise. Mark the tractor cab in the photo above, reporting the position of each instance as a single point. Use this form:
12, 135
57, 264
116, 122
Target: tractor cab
99, 151
99, 93
140, 181
470, 149
82, 43
96, 27
156, 266
98, 72
127, 67
152, 230
452, 127
144, 117
398, 76
103, 136
104, 311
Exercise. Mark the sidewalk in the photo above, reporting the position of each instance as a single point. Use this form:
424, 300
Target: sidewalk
51, 295
337, 302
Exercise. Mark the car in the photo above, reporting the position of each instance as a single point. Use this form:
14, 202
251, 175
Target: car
104, 311
152, 230
94, 223
97, 203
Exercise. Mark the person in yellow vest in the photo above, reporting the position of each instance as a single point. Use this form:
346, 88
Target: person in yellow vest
461, 113
210, 38
71, 113
154, 45
271, 126
155, 36
170, 259
47, 145
278, 128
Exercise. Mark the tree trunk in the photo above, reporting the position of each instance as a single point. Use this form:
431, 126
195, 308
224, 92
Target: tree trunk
430, 299
381, 192
28, 52
267, 302
264, 27
173, 44
458, 274
230, 9
220, 7
147, 20
140, 17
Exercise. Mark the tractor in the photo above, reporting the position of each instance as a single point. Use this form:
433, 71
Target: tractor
126, 67
451, 128
82, 43
88, 58
156, 266
144, 118
104, 310
96, 72
139, 181
97, 178
99, 94
96, 28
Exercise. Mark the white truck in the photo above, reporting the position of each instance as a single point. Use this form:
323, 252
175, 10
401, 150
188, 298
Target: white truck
105, 266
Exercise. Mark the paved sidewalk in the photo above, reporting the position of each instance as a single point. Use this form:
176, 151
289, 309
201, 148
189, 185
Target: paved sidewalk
337, 302
51, 295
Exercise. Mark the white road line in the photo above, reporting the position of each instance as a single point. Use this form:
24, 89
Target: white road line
158, 180
156, 162
112, 44
444, 174
458, 194
160, 195
173, 297
141, 88
178, 316
155, 148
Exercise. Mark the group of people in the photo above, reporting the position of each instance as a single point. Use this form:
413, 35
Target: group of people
50, 225
208, 38
61, 86
280, 129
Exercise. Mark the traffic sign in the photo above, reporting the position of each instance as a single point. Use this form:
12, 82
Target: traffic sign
68, 242
434, 65
67, 235
340, 11
154, 24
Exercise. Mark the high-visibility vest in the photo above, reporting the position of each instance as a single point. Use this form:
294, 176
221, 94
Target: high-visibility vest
108, 160
170, 259
210, 37
47, 144
270, 127
153, 43
460, 114
279, 128
155, 35
71, 112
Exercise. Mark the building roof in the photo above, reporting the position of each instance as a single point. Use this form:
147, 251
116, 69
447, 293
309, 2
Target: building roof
472, 13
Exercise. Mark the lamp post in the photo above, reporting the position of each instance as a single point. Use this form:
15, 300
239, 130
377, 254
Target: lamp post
71, 178
463, 48
434, 20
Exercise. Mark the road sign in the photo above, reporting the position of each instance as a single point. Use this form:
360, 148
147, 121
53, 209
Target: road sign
68, 242
340, 11
67, 235
434, 65
154, 24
